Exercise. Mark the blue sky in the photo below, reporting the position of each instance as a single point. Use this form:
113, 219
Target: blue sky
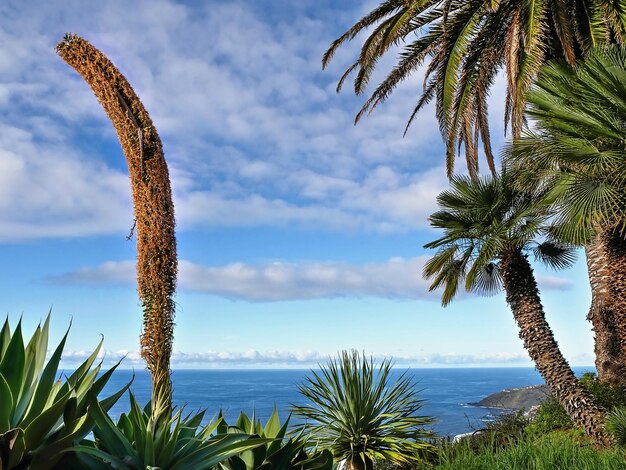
299, 234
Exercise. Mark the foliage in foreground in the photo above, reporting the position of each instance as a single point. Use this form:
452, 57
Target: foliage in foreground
280, 453
606, 395
558, 450
360, 415
552, 416
549, 417
616, 425
150, 438
41, 416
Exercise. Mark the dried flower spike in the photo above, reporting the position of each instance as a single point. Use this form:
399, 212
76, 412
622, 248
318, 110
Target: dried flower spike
152, 199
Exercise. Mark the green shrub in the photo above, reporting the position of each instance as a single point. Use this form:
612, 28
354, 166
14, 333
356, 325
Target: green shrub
152, 439
616, 425
550, 416
280, 453
356, 412
40, 416
606, 395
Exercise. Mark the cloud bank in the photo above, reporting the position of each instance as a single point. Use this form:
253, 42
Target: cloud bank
303, 359
397, 278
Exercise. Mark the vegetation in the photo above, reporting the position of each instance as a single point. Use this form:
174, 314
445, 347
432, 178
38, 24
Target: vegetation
465, 44
152, 197
550, 416
360, 415
616, 425
559, 450
562, 187
576, 151
40, 416
489, 226
280, 452
148, 439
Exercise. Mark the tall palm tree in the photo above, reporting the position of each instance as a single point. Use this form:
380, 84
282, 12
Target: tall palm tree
152, 200
577, 152
489, 228
465, 43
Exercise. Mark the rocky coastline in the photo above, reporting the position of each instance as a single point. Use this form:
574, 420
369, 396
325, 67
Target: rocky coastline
515, 399
525, 399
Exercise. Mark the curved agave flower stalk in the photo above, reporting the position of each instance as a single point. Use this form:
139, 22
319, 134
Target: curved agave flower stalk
152, 199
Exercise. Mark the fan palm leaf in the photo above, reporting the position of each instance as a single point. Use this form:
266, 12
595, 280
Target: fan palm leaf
576, 152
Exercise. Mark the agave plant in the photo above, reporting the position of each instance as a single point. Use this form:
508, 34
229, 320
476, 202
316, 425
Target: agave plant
42, 416
280, 453
153, 438
361, 416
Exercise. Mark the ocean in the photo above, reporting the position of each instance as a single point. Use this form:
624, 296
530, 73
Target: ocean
447, 392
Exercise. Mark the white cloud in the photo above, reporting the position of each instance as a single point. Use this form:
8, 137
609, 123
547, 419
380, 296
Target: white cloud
397, 278
57, 193
252, 128
254, 358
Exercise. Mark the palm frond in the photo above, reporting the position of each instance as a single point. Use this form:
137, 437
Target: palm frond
555, 255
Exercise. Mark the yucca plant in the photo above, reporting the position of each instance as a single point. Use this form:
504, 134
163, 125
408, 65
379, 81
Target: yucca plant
280, 453
42, 415
153, 438
616, 425
357, 412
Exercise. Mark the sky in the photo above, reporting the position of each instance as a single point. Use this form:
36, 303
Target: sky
299, 233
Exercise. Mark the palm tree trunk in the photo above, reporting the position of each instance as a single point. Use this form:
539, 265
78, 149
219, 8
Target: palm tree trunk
522, 295
605, 254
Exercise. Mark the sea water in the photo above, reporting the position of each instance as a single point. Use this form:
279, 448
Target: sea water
447, 393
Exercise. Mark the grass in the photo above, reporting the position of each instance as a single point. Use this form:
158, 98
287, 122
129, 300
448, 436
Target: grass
567, 450
513, 442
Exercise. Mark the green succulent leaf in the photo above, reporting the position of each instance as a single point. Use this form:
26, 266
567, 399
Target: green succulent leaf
41, 416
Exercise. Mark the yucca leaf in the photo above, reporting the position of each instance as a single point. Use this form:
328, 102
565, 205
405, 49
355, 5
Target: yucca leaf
110, 435
115, 462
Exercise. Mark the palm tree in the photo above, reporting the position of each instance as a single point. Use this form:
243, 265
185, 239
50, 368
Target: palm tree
489, 228
577, 153
465, 43
152, 200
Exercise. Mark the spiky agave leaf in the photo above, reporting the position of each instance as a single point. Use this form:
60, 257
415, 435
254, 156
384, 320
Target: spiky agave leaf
281, 451
142, 440
41, 416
